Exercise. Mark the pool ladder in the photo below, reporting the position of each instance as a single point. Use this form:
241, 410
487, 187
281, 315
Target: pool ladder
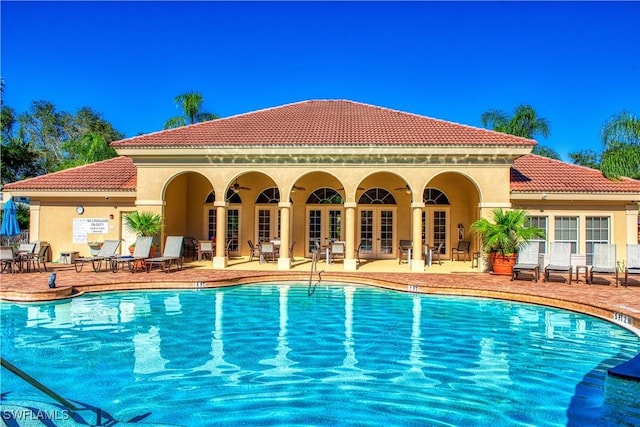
102, 418
314, 269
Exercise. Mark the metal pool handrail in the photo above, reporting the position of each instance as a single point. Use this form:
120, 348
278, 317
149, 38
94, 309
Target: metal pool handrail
314, 269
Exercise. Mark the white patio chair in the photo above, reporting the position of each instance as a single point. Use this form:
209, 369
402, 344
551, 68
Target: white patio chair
559, 260
106, 252
528, 260
172, 254
604, 261
633, 262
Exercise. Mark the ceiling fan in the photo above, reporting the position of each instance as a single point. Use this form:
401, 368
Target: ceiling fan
237, 187
406, 188
342, 189
298, 188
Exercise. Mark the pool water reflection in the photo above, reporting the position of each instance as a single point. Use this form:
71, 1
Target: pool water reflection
273, 355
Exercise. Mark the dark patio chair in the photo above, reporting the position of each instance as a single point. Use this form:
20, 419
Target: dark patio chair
8, 259
35, 260
464, 246
403, 250
254, 251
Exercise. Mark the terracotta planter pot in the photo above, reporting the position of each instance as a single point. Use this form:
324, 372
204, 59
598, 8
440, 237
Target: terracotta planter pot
501, 264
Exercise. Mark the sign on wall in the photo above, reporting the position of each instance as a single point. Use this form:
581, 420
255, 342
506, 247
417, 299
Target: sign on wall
84, 226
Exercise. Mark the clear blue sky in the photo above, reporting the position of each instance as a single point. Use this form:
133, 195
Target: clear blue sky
576, 63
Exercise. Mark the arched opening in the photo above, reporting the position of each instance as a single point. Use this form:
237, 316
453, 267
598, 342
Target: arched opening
435, 219
451, 205
324, 218
377, 214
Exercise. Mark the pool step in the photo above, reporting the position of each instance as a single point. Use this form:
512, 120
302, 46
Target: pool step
629, 370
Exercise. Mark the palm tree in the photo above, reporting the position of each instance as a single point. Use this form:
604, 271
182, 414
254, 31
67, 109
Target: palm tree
508, 231
191, 105
524, 122
621, 146
143, 224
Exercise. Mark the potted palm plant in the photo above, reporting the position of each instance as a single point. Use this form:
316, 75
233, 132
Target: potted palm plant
504, 236
143, 224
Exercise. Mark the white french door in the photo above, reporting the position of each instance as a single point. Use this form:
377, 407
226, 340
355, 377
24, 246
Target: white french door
267, 223
324, 224
376, 232
233, 227
435, 226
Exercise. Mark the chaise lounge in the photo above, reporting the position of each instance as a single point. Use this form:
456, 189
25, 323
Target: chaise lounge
172, 255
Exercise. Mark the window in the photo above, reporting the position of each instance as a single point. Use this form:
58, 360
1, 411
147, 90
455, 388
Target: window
233, 226
324, 196
232, 197
433, 196
264, 225
233, 229
597, 228
377, 196
440, 229
539, 222
566, 228
211, 223
270, 195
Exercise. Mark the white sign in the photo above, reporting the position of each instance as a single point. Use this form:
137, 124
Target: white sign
84, 226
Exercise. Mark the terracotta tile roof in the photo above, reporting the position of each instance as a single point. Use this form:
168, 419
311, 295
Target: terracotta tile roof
537, 173
324, 123
117, 174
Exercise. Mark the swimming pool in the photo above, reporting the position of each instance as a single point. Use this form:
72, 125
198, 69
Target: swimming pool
270, 354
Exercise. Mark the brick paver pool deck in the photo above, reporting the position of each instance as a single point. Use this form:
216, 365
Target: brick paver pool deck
617, 304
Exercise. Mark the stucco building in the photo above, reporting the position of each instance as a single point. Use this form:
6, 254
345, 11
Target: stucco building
320, 170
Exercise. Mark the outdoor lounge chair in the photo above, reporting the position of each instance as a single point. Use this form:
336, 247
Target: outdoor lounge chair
135, 261
633, 262
604, 261
172, 254
528, 261
464, 246
559, 260
104, 255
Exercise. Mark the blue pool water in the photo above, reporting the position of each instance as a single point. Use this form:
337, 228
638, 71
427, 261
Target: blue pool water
273, 355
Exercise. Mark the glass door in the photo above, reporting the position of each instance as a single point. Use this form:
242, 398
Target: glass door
233, 228
324, 225
434, 229
377, 232
267, 223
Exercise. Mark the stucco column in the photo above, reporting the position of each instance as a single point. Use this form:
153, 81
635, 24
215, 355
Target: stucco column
417, 262
632, 226
34, 220
350, 262
284, 260
220, 260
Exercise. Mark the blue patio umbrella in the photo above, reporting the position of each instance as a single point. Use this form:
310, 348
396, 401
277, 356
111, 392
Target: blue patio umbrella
10, 227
